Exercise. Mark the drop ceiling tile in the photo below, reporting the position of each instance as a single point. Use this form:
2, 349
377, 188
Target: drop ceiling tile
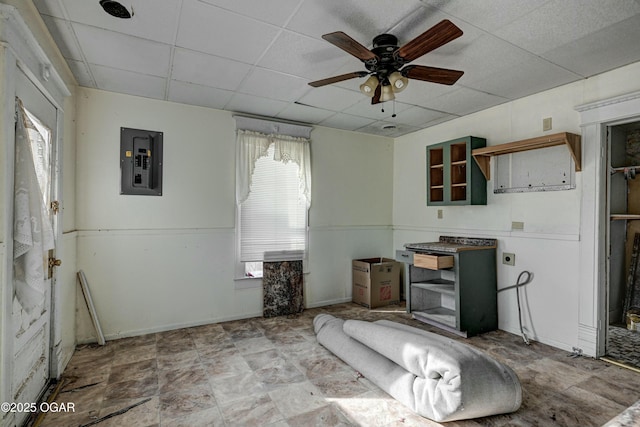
360, 19
303, 56
559, 22
121, 81
331, 98
601, 51
423, 19
489, 15
250, 104
207, 70
346, 122
439, 120
387, 128
417, 116
274, 85
81, 73
149, 21
488, 56
194, 94
116, 50
530, 76
65, 38
304, 114
379, 111
419, 93
275, 12
464, 101
213, 30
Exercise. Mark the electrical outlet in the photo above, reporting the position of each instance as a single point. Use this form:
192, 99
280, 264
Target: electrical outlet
508, 258
517, 225
439, 213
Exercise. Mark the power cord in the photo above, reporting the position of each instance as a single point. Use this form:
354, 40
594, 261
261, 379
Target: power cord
528, 277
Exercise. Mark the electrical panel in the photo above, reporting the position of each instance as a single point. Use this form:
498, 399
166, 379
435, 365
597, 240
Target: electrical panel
140, 162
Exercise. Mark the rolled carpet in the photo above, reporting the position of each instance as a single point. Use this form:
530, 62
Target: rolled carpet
436, 377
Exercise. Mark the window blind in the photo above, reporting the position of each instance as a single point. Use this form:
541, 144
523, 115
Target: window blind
274, 216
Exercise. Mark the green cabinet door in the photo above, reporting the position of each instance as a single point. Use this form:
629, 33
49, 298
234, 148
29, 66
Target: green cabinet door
453, 177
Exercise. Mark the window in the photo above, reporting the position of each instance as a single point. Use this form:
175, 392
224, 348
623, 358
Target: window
273, 197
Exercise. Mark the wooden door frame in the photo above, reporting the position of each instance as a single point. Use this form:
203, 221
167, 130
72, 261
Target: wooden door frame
20, 52
596, 118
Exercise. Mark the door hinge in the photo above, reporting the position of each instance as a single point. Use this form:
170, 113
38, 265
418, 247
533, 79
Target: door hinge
53, 262
55, 206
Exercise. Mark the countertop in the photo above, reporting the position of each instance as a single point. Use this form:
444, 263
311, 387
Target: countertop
452, 244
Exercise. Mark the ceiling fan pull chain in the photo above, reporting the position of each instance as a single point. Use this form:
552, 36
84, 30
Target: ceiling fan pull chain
394, 109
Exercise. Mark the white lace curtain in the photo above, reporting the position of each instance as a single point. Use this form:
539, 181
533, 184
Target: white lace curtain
32, 231
253, 145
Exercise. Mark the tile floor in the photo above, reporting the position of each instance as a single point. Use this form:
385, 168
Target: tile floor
624, 345
272, 372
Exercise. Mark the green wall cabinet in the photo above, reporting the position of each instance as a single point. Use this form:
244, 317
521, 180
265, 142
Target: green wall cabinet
453, 177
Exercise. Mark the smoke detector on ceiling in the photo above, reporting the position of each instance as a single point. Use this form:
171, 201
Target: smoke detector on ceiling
118, 9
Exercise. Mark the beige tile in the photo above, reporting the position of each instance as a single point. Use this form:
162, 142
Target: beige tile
185, 402
296, 399
168, 346
226, 366
230, 388
581, 408
206, 418
182, 378
328, 416
374, 408
133, 371
340, 386
178, 360
132, 389
274, 370
142, 415
134, 354
315, 368
254, 345
255, 410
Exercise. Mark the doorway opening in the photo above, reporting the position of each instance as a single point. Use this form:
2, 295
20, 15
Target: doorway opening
623, 245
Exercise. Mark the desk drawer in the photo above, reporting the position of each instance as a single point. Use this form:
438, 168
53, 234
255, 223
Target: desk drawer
404, 256
433, 261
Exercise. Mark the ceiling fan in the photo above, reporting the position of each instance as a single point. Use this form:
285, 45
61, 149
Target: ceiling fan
386, 62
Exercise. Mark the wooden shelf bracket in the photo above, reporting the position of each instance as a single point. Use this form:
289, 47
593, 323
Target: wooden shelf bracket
483, 155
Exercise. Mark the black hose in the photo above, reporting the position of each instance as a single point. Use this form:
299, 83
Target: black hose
528, 277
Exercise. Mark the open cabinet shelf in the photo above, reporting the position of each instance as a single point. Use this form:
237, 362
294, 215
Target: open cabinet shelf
614, 217
483, 155
452, 178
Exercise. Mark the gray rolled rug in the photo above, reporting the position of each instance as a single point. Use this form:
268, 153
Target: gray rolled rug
436, 377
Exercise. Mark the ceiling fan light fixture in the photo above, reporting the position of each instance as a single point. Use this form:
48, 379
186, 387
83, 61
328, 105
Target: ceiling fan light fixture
387, 93
398, 81
369, 86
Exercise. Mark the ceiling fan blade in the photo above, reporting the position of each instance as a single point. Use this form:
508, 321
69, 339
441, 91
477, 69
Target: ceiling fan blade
349, 45
336, 79
376, 95
438, 35
432, 74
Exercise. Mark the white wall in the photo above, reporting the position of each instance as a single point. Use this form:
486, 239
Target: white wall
549, 244
156, 263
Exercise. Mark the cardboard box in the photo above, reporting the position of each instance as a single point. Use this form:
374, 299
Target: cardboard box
376, 282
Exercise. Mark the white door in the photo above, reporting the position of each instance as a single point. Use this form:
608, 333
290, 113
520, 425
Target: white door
32, 327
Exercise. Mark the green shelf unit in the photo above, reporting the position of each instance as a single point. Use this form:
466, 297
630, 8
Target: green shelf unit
453, 178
